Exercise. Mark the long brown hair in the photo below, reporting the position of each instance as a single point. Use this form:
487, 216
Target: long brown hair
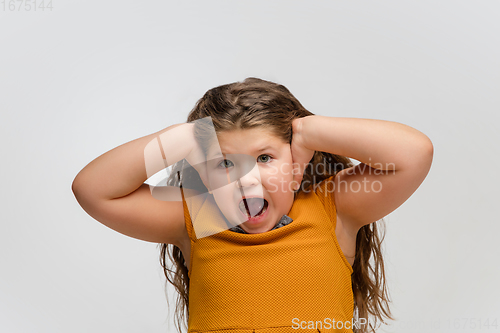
259, 103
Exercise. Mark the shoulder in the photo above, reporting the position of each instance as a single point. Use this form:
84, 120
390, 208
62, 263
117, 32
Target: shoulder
327, 193
324, 190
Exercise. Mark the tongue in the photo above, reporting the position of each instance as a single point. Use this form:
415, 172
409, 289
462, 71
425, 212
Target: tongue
253, 206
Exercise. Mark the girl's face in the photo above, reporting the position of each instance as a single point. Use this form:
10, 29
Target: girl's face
254, 164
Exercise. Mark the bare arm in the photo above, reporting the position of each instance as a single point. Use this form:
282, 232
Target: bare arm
122, 170
395, 159
111, 187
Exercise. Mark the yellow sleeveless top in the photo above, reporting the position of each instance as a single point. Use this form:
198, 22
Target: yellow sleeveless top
291, 279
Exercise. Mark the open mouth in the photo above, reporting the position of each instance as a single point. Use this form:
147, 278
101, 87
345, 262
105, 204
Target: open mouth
253, 207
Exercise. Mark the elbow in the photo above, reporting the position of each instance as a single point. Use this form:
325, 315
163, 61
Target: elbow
427, 153
423, 146
428, 148
419, 156
76, 187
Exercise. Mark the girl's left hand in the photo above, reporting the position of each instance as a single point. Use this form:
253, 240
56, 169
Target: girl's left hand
301, 155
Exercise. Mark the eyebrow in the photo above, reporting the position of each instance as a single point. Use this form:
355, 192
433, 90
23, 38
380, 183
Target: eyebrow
264, 148
257, 150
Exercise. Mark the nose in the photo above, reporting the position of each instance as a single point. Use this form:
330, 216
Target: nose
250, 179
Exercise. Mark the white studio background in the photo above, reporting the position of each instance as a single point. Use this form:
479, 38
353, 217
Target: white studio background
87, 76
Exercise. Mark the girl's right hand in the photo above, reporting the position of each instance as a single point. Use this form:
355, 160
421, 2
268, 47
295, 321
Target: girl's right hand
301, 155
196, 157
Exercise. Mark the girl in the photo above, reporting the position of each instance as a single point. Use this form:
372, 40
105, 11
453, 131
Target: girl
271, 228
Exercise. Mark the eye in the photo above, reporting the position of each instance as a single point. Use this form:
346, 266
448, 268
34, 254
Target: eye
224, 165
266, 160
